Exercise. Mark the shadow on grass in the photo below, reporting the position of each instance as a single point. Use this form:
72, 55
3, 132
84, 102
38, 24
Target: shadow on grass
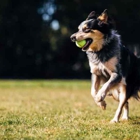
135, 120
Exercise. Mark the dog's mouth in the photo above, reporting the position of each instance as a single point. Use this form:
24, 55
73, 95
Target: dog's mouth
86, 46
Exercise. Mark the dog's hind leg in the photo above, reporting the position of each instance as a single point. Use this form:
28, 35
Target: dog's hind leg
115, 95
125, 111
125, 115
122, 102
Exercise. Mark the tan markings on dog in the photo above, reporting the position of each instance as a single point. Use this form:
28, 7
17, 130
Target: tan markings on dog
98, 40
123, 88
111, 64
123, 81
103, 17
115, 93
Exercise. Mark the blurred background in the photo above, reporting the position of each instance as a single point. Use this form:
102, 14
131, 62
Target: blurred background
35, 36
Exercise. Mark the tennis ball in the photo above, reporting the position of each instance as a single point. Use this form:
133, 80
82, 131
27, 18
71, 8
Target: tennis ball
81, 43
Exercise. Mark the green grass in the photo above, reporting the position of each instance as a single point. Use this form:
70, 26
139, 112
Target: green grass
60, 110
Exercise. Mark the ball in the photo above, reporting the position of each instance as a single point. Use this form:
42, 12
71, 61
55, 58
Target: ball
81, 43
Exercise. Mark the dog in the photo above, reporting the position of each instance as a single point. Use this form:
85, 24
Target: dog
114, 69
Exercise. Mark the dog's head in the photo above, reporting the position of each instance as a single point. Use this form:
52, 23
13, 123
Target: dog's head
93, 30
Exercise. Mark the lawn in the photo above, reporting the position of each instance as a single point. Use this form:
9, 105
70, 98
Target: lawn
60, 110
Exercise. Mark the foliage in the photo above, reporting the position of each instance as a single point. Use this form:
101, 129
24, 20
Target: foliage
30, 46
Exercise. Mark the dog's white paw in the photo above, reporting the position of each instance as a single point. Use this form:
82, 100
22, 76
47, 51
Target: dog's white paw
114, 121
124, 119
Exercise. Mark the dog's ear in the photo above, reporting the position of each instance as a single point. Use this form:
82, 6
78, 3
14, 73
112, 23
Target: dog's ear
103, 17
91, 15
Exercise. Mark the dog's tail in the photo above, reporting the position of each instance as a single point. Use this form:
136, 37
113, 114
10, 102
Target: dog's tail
136, 92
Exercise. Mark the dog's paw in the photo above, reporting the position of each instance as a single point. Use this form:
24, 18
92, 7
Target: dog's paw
114, 121
99, 98
125, 116
124, 119
101, 104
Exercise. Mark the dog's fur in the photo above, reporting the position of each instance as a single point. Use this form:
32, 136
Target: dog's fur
112, 65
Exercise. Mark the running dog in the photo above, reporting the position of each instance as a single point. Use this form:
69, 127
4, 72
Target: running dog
115, 70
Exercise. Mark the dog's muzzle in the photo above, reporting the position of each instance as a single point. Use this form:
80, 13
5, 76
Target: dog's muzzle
73, 38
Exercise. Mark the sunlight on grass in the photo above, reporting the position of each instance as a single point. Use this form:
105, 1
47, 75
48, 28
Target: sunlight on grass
62, 110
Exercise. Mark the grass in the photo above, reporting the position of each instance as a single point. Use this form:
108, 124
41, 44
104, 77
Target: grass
60, 110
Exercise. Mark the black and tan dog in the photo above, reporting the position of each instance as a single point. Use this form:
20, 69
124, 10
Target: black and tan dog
114, 68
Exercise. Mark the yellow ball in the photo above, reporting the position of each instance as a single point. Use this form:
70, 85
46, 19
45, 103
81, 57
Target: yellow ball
81, 43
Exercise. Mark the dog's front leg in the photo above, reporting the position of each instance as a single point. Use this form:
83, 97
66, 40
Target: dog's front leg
95, 81
94, 89
114, 78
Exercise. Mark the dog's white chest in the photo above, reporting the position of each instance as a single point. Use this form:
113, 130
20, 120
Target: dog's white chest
98, 69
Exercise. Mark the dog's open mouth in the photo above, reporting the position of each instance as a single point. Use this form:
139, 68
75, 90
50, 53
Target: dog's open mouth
86, 46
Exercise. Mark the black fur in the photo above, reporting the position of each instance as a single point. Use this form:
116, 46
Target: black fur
96, 24
130, 66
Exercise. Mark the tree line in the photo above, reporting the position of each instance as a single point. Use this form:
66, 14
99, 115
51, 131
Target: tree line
35, 36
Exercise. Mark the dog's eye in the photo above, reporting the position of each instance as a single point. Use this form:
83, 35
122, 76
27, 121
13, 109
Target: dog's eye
87, 30
92, 31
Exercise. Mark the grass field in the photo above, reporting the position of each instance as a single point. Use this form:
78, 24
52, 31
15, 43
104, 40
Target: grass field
60, 110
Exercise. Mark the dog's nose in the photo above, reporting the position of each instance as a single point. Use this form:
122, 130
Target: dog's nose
73, 38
